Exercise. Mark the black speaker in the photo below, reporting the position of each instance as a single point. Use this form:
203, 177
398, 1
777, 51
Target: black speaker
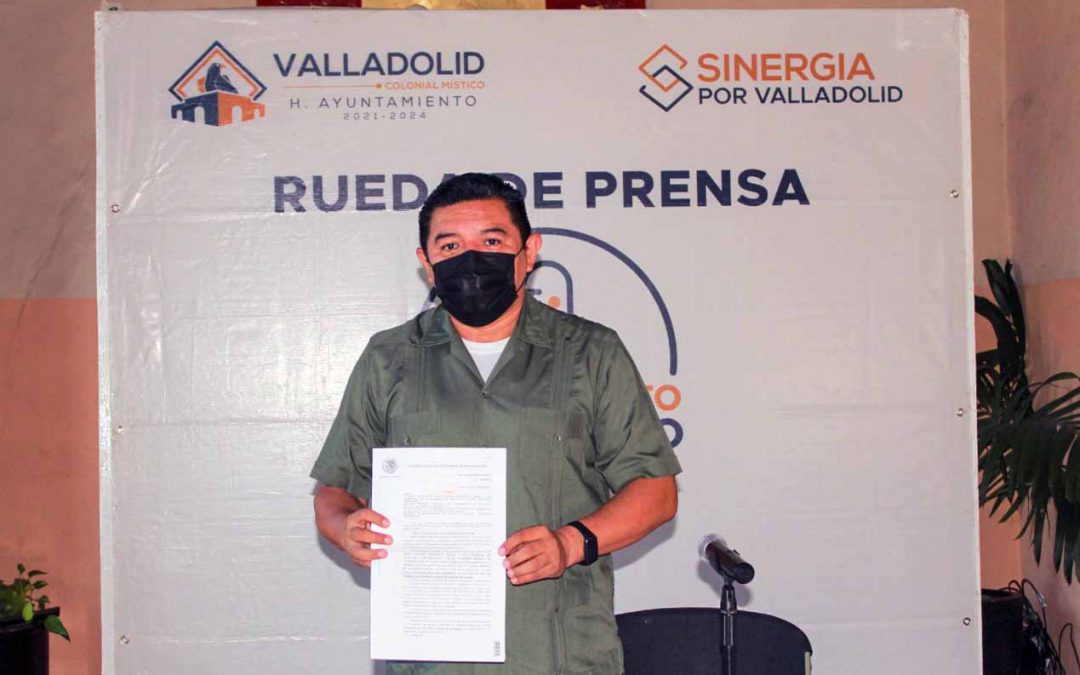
1002, 631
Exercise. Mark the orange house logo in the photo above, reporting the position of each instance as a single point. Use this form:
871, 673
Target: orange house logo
665, 86
217, 90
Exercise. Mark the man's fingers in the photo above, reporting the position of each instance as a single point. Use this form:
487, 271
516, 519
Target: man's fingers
378, 518
533, 569
359, 536
358, 527
515, 540
365, 536
529, 578
530, 570
522, 554
364, 555
520, 537
365, 516
367, 556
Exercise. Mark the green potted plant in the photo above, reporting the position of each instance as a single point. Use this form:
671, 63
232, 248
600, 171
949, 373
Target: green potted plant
1029, 458
25, 624
1029, 449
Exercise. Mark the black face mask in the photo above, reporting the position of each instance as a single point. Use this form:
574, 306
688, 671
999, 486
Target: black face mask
476, 287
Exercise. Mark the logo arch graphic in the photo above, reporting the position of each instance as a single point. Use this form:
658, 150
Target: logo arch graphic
665, 315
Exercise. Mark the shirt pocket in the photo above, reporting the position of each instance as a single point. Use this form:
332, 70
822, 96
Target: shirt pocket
547, 465
545, 437
413, 429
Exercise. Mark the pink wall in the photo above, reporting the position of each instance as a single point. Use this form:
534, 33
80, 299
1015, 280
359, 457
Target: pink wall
48, 440
1043, 98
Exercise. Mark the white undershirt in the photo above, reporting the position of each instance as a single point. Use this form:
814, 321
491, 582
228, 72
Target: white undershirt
486, 354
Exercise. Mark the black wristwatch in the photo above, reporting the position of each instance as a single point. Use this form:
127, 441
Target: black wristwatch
592, 548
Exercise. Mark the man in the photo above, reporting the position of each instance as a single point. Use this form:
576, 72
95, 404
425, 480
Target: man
590, 469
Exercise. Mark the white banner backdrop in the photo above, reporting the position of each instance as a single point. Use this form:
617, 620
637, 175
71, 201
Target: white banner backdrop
772, 208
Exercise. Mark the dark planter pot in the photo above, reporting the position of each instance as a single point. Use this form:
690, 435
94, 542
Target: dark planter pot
1002, 631
24, 647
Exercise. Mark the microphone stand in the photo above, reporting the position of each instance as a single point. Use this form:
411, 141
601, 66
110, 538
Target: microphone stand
728, 609
733, 568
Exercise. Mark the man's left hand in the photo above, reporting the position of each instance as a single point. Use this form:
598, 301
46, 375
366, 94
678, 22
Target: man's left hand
536, 553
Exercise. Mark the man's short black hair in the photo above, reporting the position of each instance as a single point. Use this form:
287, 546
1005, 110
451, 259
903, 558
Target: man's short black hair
469, 187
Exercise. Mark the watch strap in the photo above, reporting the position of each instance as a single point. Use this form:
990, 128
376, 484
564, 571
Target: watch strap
592, 547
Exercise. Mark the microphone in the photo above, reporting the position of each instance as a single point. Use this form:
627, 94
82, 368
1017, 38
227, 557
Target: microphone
727, 563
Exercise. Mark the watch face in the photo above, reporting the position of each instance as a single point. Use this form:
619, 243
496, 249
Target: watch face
591, 551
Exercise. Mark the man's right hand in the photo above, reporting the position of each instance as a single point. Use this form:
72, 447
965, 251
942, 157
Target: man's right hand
357, 536
346, 522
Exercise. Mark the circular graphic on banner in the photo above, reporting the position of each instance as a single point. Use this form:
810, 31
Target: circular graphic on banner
582, 272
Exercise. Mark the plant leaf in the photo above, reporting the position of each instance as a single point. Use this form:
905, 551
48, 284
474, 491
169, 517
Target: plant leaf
1010, 359
1007, 295
53, 624
1033, 517
1071, 536
40, 584
28, 611
1057, 408
21, 567
1072, 472
1076, 558
34, 573
1037, 538
1061, 529
1028, 454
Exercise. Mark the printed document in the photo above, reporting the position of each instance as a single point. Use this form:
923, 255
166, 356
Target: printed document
440, 593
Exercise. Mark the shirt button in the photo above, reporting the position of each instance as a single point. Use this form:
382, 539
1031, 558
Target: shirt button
484, 394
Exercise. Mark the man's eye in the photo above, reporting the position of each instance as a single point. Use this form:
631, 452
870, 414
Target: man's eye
492, 242
450, 246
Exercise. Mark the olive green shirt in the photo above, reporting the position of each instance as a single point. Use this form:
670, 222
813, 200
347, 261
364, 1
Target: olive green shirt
567, 403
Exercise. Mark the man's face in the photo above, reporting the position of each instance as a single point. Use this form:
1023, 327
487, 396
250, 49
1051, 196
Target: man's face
477, 225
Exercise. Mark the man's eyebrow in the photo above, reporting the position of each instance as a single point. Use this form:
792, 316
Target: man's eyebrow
486, 230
